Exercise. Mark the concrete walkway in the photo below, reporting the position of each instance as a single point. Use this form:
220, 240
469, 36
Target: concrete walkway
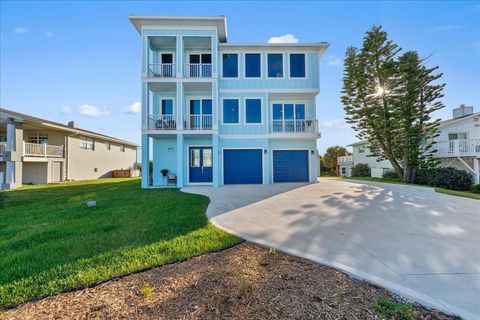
420, 244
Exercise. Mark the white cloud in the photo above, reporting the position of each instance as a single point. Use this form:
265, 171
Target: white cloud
133, 108
92, 111
48, 34
286, 38
20, 30
448, 27
66, 110
333, 60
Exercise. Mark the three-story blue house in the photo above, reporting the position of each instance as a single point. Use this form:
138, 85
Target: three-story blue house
220, 113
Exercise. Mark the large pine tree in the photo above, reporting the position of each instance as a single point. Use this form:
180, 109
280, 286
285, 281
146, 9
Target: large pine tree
389, 101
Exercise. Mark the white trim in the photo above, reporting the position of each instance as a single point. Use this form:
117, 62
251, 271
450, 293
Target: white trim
271, 90
243, 148
290, 149
261, 123
188, 164
158, 56
294, 102
160, 99
289, 67
245, 65
279, 135
221, 66
201, 98
221, 111
283, 77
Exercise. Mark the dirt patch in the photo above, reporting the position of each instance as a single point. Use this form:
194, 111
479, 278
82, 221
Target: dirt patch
243, 282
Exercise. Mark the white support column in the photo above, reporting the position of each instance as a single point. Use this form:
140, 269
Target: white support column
145, 55
181, 164
476, 168
215, 104
215, 160
180, 106
179, 56
145, 161
214, 45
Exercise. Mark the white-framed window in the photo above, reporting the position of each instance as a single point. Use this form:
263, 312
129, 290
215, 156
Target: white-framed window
37, 137
87, 143
361, 150
275, 65
231, 110
253, 111
108, 145
297, 65
457, 136
253, 65
230, 65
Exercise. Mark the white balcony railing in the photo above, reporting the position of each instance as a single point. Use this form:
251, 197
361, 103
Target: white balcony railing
162, 122
3, 147
458, 148
161, 70
42, 150
197, 70
198, 122
344, 159
294, 126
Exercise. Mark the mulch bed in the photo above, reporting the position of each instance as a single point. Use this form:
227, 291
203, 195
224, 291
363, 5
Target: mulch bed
243, 282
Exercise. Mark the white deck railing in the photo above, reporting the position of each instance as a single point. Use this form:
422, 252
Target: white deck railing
161, 70
42, 150
162, 122
198, 122
458, 148
294, 126
197, 70
344, 159
3, 147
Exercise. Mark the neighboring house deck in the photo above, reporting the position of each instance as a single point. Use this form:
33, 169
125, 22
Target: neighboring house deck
457, 145
220, 113
37, 151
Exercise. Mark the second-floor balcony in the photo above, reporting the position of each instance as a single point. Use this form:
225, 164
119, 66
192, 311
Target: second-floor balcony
190, 122
42, 150
458, 148
344, 160
294, 126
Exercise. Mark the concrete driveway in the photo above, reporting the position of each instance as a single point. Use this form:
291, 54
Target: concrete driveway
420, 244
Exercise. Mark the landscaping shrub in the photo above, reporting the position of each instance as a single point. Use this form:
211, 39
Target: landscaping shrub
448, 178
361, 170
390, 175
394, 310
475, 188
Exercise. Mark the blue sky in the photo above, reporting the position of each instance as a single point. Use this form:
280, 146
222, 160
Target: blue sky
81, 60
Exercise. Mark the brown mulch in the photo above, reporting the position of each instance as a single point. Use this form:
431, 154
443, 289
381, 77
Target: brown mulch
243, 282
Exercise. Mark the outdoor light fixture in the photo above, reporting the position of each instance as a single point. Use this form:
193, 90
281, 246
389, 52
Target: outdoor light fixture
265, 151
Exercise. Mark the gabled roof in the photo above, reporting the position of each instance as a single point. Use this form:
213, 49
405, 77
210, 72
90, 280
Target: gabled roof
448, 122
5, 115
358, 143
216, 21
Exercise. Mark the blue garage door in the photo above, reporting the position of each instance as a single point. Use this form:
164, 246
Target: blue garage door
290, 166
242, 166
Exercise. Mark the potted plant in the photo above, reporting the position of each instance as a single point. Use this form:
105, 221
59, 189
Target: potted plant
164, 172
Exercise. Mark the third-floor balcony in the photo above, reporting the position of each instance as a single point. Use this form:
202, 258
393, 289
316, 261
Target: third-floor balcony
190, 70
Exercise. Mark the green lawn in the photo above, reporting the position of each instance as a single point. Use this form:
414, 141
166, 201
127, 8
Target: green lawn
465, 194
50, 241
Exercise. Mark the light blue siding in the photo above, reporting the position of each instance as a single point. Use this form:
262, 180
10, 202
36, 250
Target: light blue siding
165, 155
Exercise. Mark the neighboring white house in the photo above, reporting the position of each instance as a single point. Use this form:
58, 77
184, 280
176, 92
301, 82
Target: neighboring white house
457, 145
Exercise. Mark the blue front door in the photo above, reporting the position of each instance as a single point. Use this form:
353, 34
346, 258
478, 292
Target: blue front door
200, 168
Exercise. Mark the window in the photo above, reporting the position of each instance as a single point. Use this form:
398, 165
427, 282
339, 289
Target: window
167, 107
167, 58
289, 117
230, 111
361, 150
457, 136
200, 65
122, 148
37, 137
195, 157
3, 138
253, 111
230, 65
87, 143
207, 157
252, 65
275, 65
297, 65
108, 145
344, 170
